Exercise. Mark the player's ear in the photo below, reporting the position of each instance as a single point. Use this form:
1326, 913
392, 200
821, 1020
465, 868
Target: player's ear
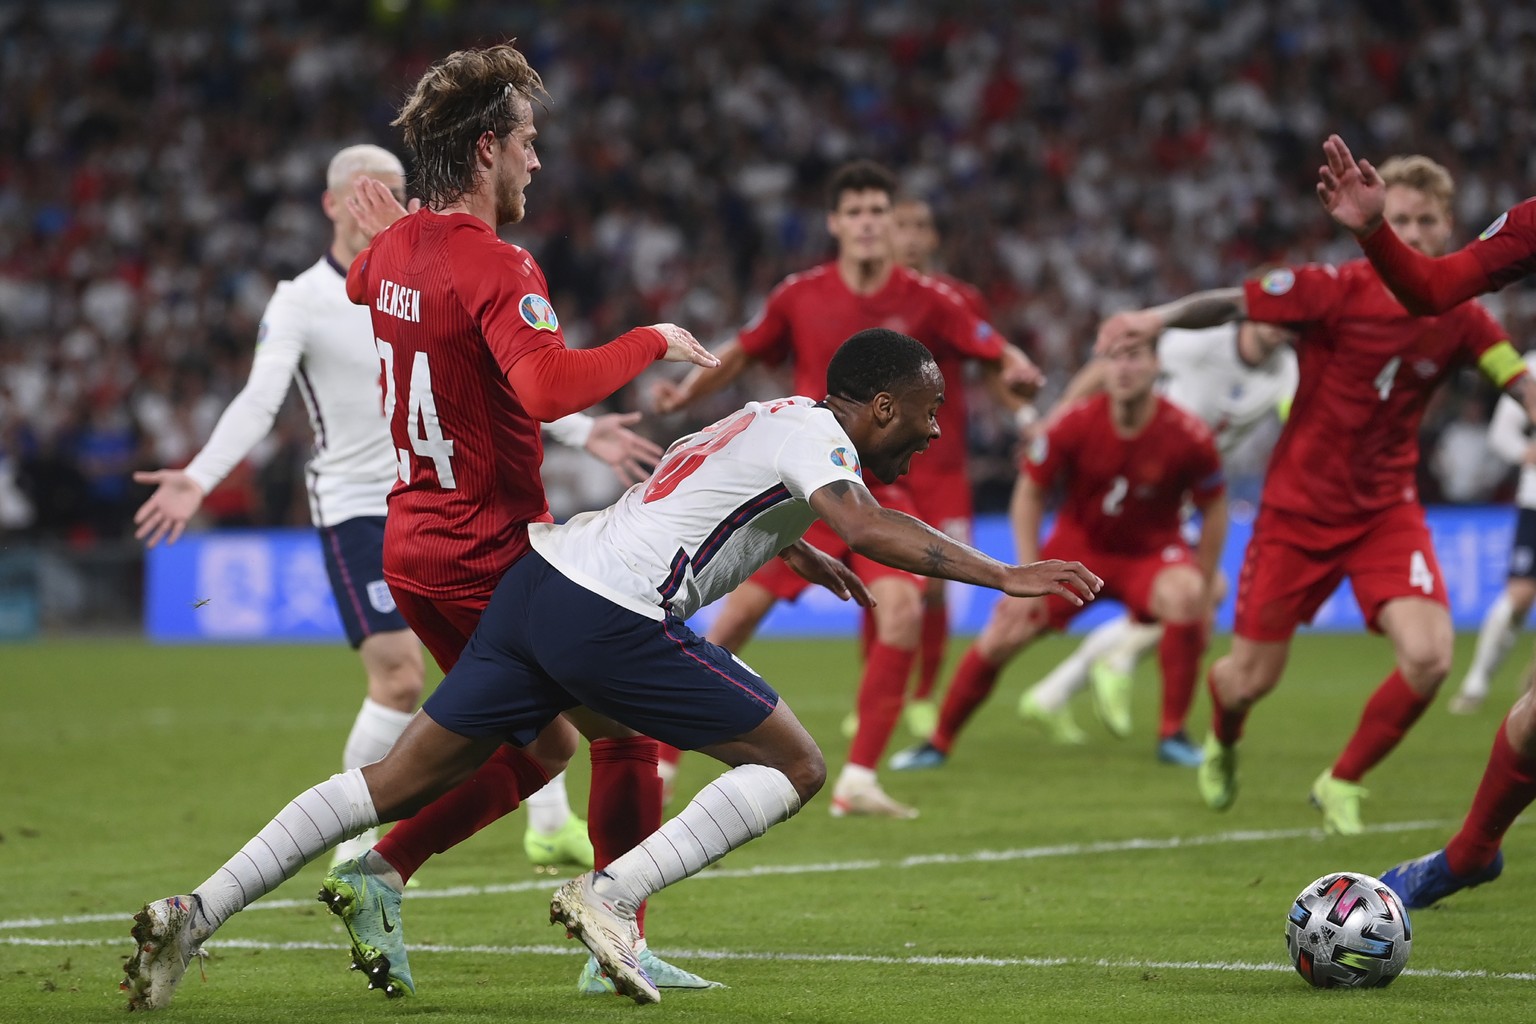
883, 408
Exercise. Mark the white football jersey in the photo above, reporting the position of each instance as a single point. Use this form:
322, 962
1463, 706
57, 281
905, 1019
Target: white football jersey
721, 503
1509, 435
312, 334
1203, 373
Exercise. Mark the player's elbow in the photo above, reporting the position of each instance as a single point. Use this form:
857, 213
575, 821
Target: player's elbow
546, 408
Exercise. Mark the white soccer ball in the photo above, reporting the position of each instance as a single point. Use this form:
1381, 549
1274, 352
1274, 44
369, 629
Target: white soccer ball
1348, 929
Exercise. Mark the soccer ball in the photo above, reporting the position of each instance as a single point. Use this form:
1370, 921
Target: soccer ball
1348, 929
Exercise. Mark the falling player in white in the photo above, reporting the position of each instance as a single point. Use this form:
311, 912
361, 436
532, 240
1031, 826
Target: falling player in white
312, 335
1233, 377
593, 617
1509, 435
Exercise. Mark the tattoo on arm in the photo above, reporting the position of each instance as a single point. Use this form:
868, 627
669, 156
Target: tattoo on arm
935, 559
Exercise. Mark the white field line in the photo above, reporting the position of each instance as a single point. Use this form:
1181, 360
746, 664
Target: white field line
726, 956
830, 867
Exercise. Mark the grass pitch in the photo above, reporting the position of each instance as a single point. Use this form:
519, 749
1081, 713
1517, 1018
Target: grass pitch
1040, 884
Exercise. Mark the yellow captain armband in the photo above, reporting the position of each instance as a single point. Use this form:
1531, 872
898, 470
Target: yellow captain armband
1283, 407
1501, 363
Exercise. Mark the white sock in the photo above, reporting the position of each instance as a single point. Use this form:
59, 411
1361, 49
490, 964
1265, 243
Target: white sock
1494, 641
1138, 639
374, 731
854, 776
316, 820
1053, 692
731, 811
550, 808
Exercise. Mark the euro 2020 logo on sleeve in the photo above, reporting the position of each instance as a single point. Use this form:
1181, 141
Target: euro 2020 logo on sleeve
1493, 229
846, 458
1278, 282
538, 313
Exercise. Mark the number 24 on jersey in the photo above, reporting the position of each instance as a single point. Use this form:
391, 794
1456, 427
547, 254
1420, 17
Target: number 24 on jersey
421, 423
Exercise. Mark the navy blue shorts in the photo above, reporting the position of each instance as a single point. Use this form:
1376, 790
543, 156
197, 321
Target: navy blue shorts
354, 559
1522, 556
545, 645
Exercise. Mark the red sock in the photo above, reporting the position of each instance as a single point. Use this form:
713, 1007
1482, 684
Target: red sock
880, 694
867, 634
1179, 652
931, 651
667, 754
1392, 709
495, 791
1226, 726
624, 806
971, 685
1508, 787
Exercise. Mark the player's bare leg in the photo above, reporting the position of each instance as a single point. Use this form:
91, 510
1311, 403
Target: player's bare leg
1421, 635
1179, 601
1496, 637
775, 768
898, 615
1236, 682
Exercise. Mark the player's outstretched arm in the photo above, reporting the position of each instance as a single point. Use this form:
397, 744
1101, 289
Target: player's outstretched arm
823, 570
1351, 191
898, 540
165, 514
1192, 312
729, 363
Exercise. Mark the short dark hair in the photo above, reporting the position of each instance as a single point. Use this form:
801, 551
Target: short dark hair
859, 176
876, 360
457, 100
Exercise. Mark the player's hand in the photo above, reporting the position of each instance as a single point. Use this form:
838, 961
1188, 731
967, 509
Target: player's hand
1128, 328
1019, 372
375, 207
668, 396
1069, 580
631, 456
175, 501
1352, 192
823, 570
683, 347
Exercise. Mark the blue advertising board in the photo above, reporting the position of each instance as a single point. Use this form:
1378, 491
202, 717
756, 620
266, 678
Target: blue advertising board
271, 585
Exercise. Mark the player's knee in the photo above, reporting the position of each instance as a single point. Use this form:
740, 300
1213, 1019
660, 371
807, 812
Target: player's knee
1425, 665
807, 772
554, 747
901, 626
1520, 726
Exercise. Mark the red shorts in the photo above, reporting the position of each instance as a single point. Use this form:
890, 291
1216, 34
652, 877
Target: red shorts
785, 584
943, 501
1127, 578
444, 624
1294, 563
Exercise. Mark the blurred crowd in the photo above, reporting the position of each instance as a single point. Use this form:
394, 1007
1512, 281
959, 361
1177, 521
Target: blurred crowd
161, 165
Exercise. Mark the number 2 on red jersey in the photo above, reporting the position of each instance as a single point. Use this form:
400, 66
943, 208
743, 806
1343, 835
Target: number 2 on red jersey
420, 415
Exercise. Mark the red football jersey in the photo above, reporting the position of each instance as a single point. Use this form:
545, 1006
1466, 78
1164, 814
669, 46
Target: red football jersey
1125, 493
811, 313
1506, 250
1351, 444
455, 308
